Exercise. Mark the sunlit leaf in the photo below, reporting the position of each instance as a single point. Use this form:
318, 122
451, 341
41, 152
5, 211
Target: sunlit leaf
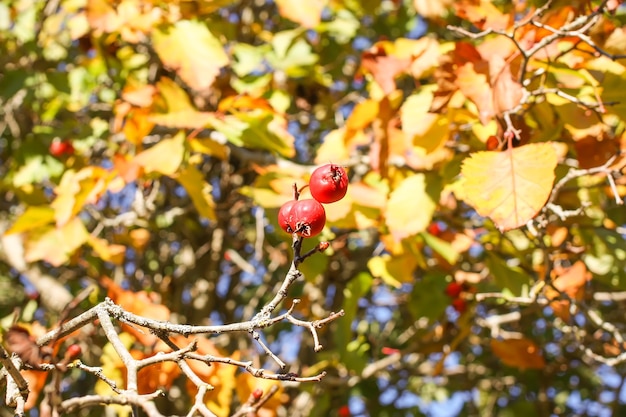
199, 191
393, 270
192, 51
510, 187
33, 218
109, 252
307, 14
77, 189
165, 157
410, 208
55, 245
519, 353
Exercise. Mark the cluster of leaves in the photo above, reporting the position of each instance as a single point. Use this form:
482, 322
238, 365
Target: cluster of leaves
483, 142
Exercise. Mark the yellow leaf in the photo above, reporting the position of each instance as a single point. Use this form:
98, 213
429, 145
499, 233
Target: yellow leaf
77, 189
246, 383
199, 191
306, 13
56, 245
510, 187
165, 157
410, 208
33, 218
192, 51
209, 147
519, 353
393, 270
107, 252
333, 148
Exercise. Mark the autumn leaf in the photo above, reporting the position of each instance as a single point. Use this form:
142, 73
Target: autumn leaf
483, 14
192, 51
109, 252
383, 66
307, 13
410, 208
431, 8
78, 189
509, 187
570, 281
56, 244
33, 218
165, 157
519, 353
199, 191
393, 270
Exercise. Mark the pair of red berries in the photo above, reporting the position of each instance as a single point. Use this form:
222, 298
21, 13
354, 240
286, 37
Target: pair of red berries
328, 184
454, 291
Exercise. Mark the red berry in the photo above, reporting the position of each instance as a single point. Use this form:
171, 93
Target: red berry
329, 183
308, 217
492, 143
285, 216
454, 289
60, 148
323, 246
344, 411
257, 394
434, 229
459, 305
73, 351
386, 350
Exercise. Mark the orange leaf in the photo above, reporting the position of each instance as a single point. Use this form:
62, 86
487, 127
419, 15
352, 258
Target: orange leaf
363, 115
507, 93
509, 187
139, 303
306, 13
383, 67
483, 14
192, 51
519, 353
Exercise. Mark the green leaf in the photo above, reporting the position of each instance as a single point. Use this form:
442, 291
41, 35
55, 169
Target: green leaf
442, 247
511, 279
428, 298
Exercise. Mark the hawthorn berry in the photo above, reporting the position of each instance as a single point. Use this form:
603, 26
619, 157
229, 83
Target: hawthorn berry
285, 216
459, 304
307, 217
454, 289
257, 394
60, 148
73, 351
328, 183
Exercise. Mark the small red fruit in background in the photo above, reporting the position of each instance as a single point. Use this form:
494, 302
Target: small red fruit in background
328, 183
257, 394
59, 148
454, 289
323, 246
434, 229
308, 217
344, 411
492, 143
285, 216
459, 305
73, 352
